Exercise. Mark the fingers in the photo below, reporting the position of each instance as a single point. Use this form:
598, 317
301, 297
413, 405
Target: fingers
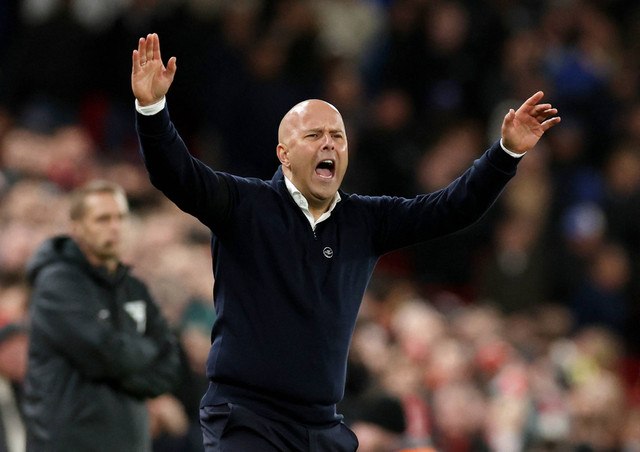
142, 43
135, 61
155, 43
172, 66
148, 51
540, 108
509, 117
546, 125
543, 114
148, 47
533, 100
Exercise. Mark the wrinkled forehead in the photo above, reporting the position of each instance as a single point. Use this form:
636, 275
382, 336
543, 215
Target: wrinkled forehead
308, 115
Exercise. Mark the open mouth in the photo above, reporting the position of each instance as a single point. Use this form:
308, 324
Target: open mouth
326, 169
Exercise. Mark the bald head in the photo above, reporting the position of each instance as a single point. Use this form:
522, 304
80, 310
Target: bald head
313, 150
293, 118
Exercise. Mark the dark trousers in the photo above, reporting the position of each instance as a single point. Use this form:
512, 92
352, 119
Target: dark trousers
231, 428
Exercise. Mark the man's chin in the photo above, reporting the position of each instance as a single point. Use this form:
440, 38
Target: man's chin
109, 254
326, 190
325, 196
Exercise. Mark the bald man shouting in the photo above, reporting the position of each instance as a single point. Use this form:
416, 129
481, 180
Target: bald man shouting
292, 258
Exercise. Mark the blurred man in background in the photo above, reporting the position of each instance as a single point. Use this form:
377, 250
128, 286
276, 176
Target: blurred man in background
99, 344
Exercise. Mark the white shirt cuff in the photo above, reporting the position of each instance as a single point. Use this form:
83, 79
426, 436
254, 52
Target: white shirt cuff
148, 110
512, 154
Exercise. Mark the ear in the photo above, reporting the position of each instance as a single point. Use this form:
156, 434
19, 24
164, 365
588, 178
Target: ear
283, 155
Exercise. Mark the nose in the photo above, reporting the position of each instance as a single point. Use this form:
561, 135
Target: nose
116, 225
328, 142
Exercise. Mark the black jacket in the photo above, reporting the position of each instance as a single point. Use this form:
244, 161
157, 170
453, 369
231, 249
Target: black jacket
99, 346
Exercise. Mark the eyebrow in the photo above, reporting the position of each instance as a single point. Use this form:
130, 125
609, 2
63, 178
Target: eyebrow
320, 129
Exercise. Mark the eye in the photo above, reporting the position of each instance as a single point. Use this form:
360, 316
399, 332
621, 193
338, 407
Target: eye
312, 135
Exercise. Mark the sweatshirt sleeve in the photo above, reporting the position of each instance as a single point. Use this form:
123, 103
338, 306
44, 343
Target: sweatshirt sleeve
193, 186
77, 326
464, 201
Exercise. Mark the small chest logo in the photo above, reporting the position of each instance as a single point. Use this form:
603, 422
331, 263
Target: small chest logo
138, 311
328, 252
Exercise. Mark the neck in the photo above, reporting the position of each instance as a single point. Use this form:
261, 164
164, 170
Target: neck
317, 209
111, 264
316, 206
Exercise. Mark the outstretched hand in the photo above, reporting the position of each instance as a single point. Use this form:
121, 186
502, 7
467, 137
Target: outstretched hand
150, 80
521, 129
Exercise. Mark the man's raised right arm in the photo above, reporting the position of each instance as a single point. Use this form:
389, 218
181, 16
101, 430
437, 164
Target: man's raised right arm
189, 183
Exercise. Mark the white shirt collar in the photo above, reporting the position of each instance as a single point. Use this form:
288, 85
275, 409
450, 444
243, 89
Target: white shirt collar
302, 202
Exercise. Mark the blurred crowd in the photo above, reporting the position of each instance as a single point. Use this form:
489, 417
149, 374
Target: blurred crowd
516, 334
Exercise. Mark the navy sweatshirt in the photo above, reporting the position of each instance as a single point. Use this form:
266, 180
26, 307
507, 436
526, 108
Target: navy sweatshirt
287, 298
